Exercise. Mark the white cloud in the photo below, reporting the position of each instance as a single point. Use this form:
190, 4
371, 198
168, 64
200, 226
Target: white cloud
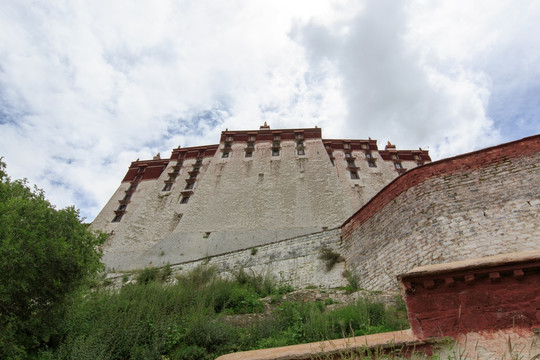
86, 87
393, 93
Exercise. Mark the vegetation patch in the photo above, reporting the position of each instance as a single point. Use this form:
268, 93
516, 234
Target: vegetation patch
47, 256
54, 306
189, 319
352, 280
330, 257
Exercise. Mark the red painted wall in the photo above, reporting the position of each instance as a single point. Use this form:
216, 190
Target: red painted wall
485, 298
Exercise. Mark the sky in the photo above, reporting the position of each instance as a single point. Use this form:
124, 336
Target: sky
86, 87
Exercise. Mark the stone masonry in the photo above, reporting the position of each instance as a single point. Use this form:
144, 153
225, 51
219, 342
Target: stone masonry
474, 205
253, 188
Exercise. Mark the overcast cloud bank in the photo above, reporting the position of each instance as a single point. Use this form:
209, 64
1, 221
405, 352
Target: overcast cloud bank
87, 87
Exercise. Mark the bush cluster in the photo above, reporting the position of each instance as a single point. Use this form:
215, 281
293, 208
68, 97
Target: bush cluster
301, 322
189, 320
46, 257
330, 257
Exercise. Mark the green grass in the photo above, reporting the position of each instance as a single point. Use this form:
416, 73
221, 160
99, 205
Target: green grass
188, 320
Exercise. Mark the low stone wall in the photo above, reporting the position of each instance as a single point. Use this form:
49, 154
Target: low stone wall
293, 261
473, 205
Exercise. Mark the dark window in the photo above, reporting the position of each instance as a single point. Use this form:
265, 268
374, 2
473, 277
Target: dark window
418, 157
299, 136
354, 175
372, 164
249, 153
350, 163
117, 218
348, 155
277, 137
275, 152
301, 152
189, 186
369, 156
122, 207
225, 154
184, 200
167, 187
394, 157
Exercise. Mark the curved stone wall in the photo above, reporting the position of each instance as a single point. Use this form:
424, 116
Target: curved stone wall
477, 204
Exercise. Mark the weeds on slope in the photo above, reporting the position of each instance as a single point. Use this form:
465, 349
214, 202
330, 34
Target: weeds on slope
188, 320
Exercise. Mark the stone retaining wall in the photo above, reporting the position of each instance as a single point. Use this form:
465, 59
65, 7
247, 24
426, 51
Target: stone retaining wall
293, 261
473, 205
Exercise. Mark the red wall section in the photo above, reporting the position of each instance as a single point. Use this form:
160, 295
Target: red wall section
152, 169
130, 175
487, 297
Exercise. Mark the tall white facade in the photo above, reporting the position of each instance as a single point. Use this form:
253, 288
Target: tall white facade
253, 188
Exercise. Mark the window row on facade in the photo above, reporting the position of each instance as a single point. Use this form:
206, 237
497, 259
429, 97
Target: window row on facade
250, 147
190, 181
122, 207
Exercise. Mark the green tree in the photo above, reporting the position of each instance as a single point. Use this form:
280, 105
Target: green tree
46, 255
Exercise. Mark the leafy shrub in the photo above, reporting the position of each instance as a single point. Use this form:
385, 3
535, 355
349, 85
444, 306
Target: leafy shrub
147, 275
329, 301
330, 257
306, 322
186, 320
235, 298
198, 277
284, 289
262, 285
46, 257
352, 280
165, 272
